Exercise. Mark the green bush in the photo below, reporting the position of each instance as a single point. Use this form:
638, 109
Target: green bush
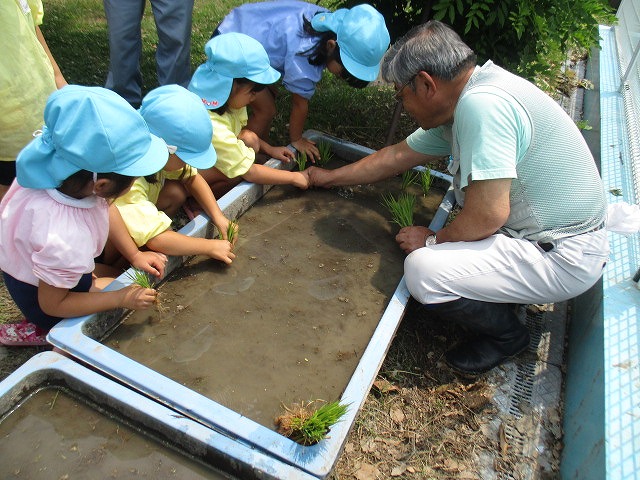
528, 37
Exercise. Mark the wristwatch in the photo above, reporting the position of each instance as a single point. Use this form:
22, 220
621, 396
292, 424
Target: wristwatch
430, 240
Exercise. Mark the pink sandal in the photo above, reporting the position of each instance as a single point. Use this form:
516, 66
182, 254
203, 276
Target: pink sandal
22, 334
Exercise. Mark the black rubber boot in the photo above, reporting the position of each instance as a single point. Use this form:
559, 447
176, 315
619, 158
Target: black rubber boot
499, 334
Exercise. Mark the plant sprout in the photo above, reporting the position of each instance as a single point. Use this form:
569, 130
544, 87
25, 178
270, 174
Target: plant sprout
426, 179
142, 279
326, 154
139, 277
401, 208
306, 426
409, 178
301, 160
232, 230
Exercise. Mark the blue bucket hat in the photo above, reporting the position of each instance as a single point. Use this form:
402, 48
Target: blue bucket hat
89, 128
229, 56
362, 36
177, 115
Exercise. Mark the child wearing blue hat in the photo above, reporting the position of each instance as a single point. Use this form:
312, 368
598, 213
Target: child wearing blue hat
237, 68
54, 220
302, 39
178, 117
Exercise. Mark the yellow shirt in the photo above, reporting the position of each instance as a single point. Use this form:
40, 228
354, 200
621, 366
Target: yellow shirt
234, 157
26, 75
138, 206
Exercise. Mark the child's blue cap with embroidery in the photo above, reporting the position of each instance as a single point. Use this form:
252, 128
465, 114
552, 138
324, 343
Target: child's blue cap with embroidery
362, 36
229, 56
89, 128
177, 115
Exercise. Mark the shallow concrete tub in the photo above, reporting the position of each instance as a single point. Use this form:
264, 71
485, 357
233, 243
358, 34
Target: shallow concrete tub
183, 435
80, 338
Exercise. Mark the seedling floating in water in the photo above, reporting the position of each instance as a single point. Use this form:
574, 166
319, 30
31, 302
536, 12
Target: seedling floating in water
306, 426
401, 208
326, 154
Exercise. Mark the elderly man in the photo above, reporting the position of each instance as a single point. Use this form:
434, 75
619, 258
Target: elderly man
531, 227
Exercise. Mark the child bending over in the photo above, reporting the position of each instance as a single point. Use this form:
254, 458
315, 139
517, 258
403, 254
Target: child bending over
54, 220
179, 118
237, 67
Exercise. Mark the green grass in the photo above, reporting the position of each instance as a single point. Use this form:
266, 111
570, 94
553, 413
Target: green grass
409, 177
301, 160
139, 277
76, 32
426, 179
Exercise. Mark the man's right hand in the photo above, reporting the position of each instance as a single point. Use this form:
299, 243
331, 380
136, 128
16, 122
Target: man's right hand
319, 177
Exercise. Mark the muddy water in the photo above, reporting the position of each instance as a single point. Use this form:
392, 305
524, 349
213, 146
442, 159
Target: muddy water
289, 320
54, 436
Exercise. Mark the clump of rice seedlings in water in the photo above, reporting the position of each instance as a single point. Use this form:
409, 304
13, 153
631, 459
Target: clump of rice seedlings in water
409, 177
326, 154
301, 160
307, 426
401, 208
142, 279
426, 179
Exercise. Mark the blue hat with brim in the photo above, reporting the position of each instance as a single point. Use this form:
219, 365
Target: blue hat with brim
362, 35
89, 128
229, 56
178, 116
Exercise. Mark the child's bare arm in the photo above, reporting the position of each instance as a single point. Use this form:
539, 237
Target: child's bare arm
174, 243
151, 262
263, 175
299, 111
199, 188
279, 153
61, 302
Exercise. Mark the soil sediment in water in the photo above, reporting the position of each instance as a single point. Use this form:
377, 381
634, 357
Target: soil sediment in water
54, 436
289, 320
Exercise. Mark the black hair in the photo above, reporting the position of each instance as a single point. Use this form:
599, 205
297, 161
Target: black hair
75, 183
257, 87
319, 56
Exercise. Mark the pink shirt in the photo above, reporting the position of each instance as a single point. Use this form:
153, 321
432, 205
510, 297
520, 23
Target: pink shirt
46, 235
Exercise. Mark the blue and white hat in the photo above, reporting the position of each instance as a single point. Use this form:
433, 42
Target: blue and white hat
229, 56
362, 36
89, 128
177, 115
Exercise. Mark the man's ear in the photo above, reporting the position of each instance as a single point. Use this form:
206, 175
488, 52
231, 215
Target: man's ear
428, 83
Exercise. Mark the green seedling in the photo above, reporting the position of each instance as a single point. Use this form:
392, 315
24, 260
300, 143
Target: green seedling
409, 177
232, 230
306, 426
401, 208
326, 154
142, 279
301, 160
139, 277
426, 179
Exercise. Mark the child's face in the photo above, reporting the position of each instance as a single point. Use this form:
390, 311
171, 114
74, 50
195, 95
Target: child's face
242, 94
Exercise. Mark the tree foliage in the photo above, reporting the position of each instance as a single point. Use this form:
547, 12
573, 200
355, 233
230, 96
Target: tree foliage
529, 37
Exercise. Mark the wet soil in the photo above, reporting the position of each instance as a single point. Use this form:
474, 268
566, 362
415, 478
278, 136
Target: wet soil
288, 321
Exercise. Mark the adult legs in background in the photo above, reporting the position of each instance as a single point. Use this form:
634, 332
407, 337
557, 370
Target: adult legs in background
124, 18
173, 19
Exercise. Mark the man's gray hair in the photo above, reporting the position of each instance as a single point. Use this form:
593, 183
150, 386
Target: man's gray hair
432, 47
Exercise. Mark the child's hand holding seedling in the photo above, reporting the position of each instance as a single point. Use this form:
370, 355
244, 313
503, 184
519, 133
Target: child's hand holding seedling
141, 294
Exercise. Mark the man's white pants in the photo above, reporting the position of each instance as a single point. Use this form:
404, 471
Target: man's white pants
501, 269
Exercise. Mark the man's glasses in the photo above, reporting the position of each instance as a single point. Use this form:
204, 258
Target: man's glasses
398, 94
